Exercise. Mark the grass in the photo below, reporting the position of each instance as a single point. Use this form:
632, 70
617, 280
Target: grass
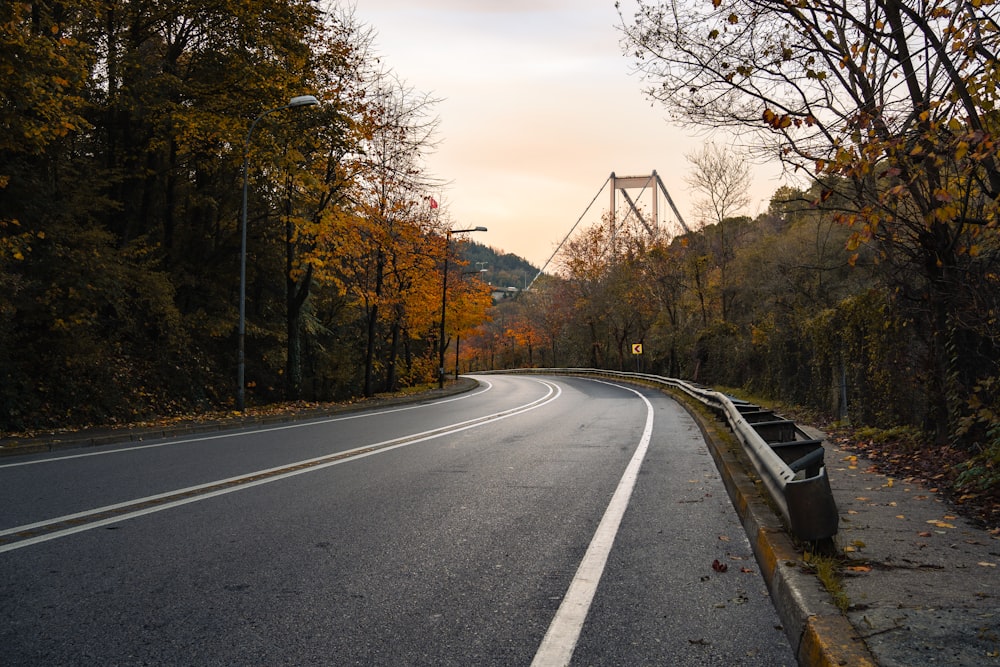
827, 570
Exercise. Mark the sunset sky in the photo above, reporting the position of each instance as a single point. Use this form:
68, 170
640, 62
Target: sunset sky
538, 106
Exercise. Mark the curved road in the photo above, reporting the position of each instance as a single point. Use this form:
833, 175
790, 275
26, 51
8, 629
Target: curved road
535, 520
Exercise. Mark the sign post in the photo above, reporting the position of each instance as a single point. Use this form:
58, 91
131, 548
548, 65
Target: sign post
637, 353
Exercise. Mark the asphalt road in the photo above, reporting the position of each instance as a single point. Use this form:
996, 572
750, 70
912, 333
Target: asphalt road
533, 521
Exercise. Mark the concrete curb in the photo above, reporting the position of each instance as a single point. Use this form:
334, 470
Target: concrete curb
820, 635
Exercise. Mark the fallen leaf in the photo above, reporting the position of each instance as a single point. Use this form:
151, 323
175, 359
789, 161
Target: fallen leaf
719, 566
940, 524
925, 533
900, 516
746, 570
986, 564
724, 538
859, 568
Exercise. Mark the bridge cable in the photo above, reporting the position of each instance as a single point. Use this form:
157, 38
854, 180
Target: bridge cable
565, 238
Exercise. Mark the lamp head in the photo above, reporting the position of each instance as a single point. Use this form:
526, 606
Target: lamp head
463, 231
303, 101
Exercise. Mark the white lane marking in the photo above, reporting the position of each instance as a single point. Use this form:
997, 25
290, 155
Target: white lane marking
553, 393
560, 640
236, 432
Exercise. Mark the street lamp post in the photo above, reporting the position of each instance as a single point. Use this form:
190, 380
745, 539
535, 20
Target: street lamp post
300, 101
444, 297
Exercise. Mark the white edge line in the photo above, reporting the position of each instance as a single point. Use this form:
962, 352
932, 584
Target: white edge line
236, 431
554, 393
556, 649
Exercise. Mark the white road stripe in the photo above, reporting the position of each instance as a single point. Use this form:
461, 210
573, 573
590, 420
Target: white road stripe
554, 392
560, 640
236, 432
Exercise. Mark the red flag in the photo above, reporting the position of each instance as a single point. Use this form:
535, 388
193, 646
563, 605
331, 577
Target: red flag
434, 203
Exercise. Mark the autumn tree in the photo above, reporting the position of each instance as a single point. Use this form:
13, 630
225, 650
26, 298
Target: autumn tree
469, 300
720, 178
892, 98
601, 265
548, 307
678, 303
83, 308
317, 194
390, 254
121, 164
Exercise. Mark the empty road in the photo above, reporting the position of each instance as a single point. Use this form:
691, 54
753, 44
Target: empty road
534, 520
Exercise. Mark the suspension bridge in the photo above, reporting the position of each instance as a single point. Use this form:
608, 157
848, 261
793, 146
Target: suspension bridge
630, 192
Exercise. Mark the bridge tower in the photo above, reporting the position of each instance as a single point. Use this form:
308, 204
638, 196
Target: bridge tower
651, 183
622, 184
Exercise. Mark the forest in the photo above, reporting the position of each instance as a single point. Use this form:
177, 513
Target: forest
139, 136
130, 132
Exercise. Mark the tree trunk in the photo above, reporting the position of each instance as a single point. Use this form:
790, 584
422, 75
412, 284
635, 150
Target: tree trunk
373, 328
390, 371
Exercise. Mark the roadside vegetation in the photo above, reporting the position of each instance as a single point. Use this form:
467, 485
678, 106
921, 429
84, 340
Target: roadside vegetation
867, 293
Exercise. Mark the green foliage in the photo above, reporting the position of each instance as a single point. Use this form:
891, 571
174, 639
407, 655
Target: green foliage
502, 269
828, 571
981, 426
907, 436
872, 294
892, 116
121, 160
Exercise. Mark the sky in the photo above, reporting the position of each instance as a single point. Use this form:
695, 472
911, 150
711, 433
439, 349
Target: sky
538, 106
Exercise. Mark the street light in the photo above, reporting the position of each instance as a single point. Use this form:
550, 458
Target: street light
299, 101
444, 297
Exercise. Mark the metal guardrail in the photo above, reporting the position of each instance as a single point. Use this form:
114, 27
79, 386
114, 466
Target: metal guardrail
789, 462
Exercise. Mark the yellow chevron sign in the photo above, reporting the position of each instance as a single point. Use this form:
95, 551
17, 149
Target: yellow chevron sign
636, 348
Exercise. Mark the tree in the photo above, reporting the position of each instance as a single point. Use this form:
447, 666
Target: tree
120, 165
893, 99
601, 265
398, 128
722, 179
317, 194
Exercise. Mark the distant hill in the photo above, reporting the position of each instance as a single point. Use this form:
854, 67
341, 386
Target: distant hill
502, 269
